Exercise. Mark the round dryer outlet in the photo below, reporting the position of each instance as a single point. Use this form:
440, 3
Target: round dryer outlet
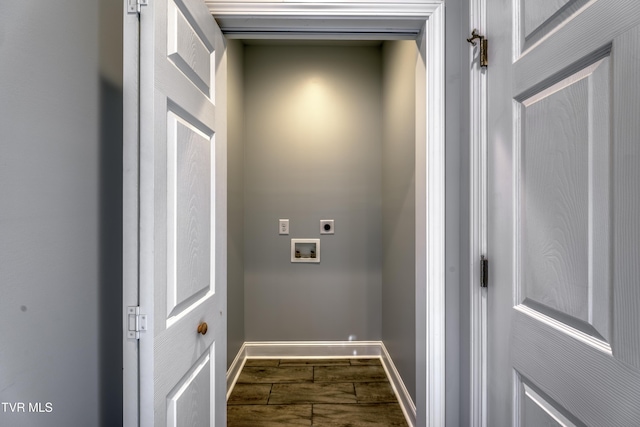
326, 226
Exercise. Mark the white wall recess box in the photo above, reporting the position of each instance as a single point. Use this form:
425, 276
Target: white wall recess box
305, 250
326, 226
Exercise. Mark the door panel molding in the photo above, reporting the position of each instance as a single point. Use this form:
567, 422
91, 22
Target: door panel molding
611, 17
188, 51
188, 276
196, 383
567, 272
557, 360
537, 409
533, 30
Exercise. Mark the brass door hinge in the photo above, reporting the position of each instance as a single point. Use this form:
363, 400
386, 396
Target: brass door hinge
483, 46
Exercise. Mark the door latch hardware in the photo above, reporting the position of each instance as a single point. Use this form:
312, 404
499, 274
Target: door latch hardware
484, 271
137, 322
483, 47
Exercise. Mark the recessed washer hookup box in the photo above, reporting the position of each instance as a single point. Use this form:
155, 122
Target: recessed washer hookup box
305, 250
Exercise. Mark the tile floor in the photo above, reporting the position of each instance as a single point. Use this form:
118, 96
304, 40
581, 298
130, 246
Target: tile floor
313, 392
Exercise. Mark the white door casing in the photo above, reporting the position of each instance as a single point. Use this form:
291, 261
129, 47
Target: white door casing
478, 220
386, 20
563, 228
182, 215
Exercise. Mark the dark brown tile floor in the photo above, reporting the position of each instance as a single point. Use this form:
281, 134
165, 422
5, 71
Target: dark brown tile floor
313, 392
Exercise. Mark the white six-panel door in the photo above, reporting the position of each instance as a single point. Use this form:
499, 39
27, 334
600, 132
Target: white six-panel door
182, 215
564, 203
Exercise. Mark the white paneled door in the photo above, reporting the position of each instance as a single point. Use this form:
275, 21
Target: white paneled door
564, 213
182, 215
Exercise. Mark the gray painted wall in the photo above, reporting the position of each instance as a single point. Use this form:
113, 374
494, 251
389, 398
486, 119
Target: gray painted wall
60, 216
235, 199
398, 207
457, 64
111, 151
313, 151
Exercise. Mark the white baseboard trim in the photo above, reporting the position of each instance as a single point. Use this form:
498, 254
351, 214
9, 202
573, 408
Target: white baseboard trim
400, 390
325, 350
312, 349
234, 370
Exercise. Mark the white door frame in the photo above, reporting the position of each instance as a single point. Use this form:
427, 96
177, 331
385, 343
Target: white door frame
387, 20
130, 211
478, 222
374, 19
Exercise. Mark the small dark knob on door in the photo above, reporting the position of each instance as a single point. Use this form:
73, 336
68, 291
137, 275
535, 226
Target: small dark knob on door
202, 328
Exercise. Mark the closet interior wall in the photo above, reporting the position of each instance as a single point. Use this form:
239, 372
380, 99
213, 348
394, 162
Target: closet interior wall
323, 130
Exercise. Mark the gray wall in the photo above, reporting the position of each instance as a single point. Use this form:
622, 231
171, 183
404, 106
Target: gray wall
235, 198
313, 151
60, 215
457, 319
111, 128
398, 207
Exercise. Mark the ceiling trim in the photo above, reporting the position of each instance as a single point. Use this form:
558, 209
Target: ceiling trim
369, 19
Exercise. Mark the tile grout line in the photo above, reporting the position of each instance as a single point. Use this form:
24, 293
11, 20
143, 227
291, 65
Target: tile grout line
313, 381
269, 396
354, 392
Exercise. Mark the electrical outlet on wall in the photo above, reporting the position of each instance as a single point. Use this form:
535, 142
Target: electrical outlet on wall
283, 226
326, 226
